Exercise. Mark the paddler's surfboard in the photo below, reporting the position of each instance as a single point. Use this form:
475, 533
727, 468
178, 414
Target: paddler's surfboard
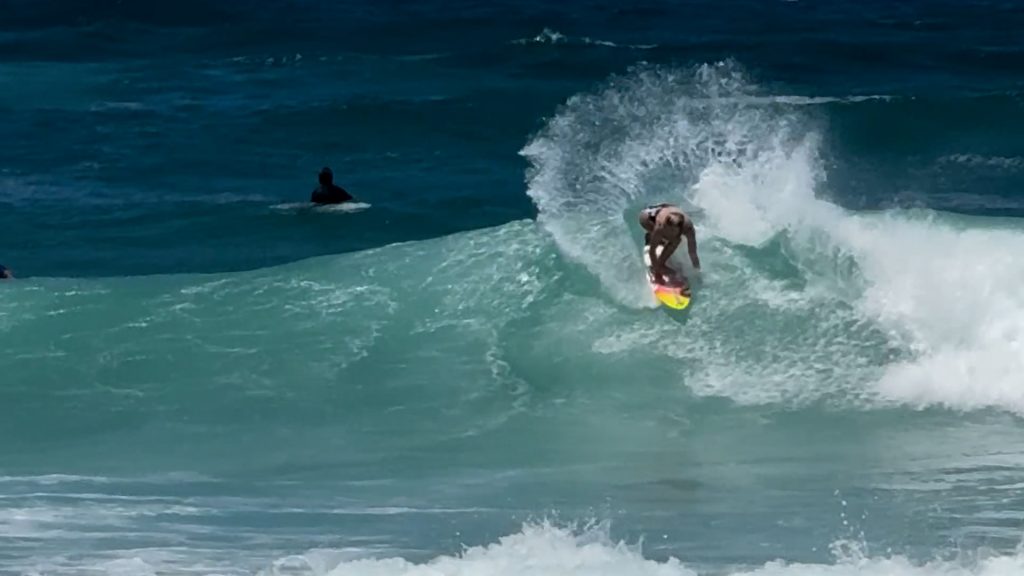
671, 292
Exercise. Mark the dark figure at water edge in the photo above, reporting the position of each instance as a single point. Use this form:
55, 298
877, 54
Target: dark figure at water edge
328, 192
5, 273
666, 225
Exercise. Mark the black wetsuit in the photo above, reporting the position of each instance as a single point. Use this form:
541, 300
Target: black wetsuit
330, 194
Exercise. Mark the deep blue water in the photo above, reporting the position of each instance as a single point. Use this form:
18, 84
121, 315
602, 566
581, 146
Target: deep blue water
130, 123
200, 373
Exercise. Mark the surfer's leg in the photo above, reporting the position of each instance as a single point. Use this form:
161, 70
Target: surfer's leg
669, 249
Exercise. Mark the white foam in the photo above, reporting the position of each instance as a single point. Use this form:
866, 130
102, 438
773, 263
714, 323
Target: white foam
543, 550
549, 36
947, 295
54, 479
343, 208
697, 138
889, 308
953, 296
977, 160
81, 517
537, 550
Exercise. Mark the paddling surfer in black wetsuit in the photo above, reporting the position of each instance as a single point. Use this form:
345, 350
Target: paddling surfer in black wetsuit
328, 192
666, 225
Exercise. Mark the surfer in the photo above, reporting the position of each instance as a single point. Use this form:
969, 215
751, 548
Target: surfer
5, 273
328, 192
666, 225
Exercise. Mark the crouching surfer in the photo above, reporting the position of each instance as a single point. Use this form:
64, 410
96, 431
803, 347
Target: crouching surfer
666, 225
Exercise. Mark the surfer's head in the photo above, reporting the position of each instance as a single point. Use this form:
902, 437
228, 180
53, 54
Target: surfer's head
326, 176
5, 272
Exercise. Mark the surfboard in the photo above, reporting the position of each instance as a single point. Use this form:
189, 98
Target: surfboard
669, 293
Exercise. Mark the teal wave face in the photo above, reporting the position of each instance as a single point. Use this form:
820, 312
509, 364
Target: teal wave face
340, 338
801, 303
470, 381
417, 345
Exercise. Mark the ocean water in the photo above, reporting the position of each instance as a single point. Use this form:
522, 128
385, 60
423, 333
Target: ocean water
464, 374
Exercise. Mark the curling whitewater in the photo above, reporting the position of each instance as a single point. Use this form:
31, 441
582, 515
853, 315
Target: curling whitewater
916, 308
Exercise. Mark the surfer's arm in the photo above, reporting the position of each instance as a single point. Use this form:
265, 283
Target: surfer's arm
343, 195
691, 246
667, 252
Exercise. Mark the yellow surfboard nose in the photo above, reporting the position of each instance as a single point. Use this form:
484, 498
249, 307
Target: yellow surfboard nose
671, 299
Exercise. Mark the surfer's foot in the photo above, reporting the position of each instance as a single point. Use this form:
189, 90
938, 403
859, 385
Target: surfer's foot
684, 285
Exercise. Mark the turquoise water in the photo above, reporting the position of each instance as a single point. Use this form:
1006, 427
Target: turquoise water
479, 386
465, 373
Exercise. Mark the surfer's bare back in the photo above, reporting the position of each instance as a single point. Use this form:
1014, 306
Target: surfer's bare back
667, 225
